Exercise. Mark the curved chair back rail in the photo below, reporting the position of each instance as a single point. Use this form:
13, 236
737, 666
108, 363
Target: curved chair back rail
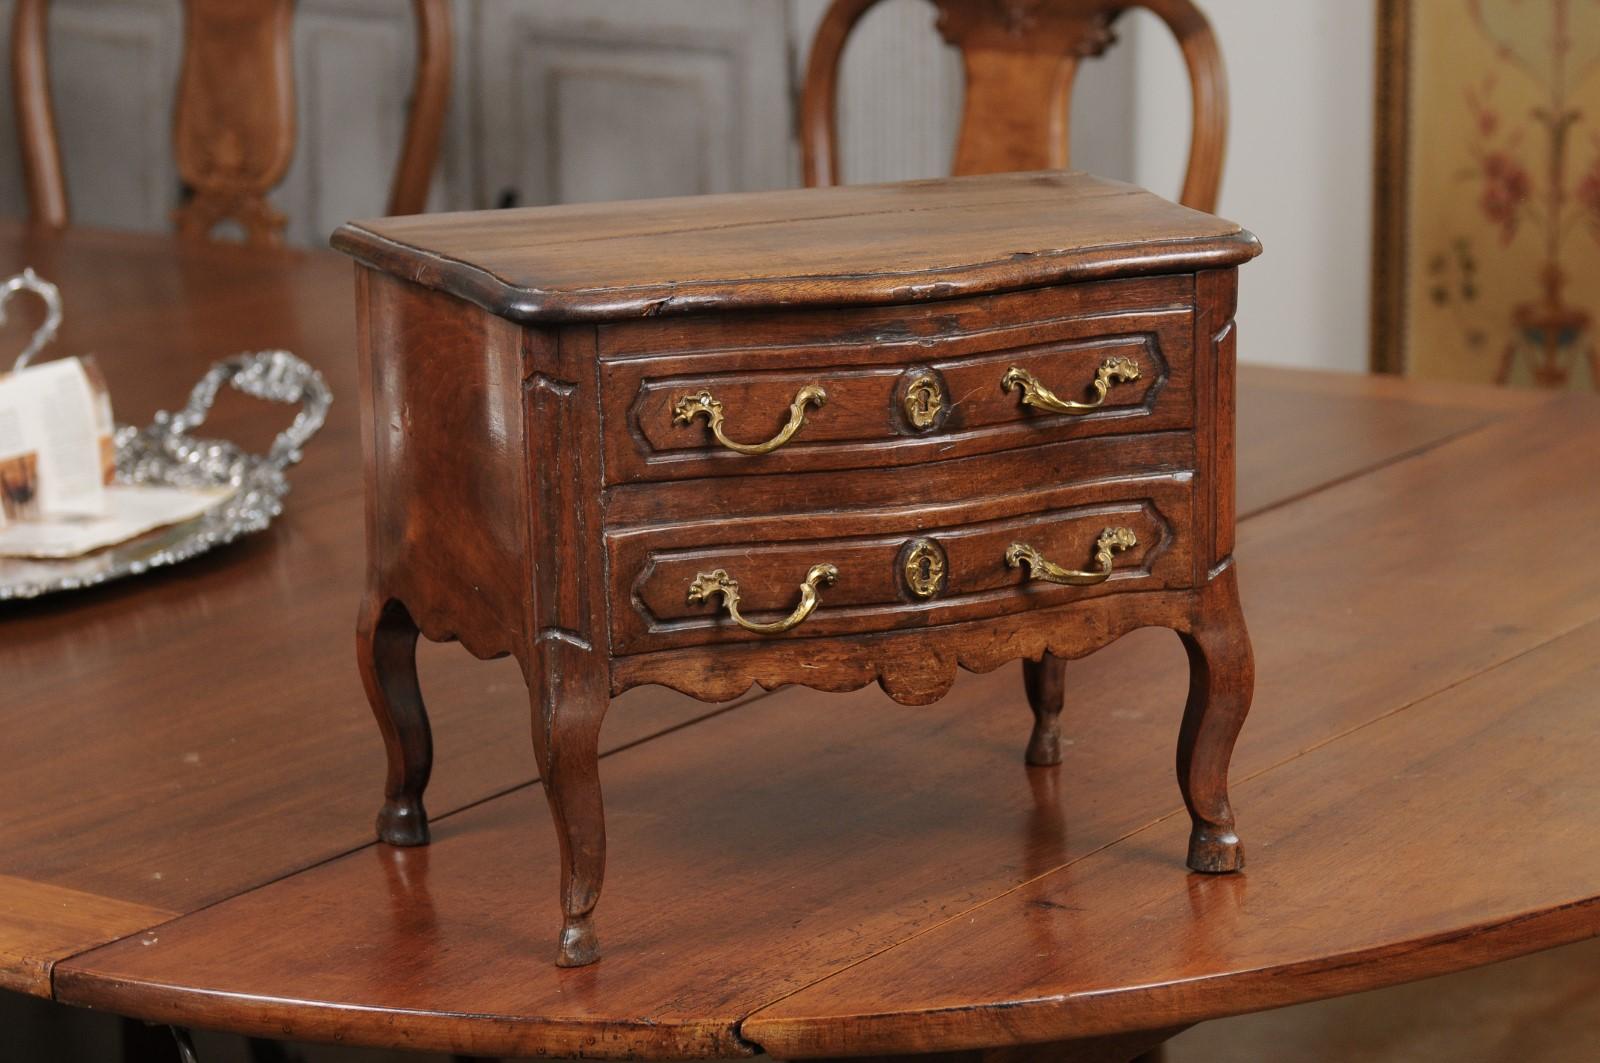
232, 147
1021, 60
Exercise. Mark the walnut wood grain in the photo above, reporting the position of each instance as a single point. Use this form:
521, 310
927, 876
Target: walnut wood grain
896, 829
940, 487
234, 117
39, 921
1216, 398
856, 246
439, 469
1375, 424
1021, 59
967, 325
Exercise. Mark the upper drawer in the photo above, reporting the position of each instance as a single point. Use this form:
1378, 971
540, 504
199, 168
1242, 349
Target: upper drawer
899, 385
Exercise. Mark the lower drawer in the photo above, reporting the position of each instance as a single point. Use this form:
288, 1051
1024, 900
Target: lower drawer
894, 570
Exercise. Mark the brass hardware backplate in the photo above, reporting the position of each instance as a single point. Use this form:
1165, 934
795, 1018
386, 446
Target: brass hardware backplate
922, 399
923, 566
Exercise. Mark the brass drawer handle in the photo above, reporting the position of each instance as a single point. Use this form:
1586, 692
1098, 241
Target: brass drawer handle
1111, 371
691, 406
1111, 541
707, 584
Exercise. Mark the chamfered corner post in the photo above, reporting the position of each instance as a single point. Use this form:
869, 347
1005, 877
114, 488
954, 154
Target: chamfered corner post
1221, 664
1221, 685
565, 659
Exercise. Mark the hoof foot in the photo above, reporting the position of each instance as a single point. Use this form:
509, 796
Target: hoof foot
579, 944
403, 823
1215, 852
1044, 748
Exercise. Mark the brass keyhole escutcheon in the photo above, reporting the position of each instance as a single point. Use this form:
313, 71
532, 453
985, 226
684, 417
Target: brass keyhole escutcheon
923, 564
922, 399
923, 402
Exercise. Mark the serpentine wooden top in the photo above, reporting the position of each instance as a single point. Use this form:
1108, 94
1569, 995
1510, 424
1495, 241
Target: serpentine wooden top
804, 247
189, 762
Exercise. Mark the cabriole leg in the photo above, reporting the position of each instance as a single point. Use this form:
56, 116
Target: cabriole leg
1045, 683
1221, 683
386, 652
566, 736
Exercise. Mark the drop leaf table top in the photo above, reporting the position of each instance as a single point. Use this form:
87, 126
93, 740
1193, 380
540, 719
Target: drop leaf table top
189, 760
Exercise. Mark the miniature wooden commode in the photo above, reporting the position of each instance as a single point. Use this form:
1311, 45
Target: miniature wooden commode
818, 437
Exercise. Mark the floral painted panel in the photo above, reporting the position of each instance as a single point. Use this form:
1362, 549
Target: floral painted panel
1501, 227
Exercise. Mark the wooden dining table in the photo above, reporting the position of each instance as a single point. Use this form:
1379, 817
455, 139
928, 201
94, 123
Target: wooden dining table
189, 769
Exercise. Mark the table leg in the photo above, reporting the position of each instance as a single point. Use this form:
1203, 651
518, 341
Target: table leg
386, 652
1221, 683
568, 705
1045, 681
262, 1050
144, 1042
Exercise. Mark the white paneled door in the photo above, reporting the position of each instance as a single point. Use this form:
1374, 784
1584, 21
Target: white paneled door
615, 99
353, 62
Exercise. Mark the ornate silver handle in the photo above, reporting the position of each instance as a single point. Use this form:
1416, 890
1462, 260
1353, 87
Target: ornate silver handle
166, 444
274, 376
29, 281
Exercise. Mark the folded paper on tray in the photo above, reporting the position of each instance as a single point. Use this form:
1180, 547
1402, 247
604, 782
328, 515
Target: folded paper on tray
57, 457
56, 451
131, 509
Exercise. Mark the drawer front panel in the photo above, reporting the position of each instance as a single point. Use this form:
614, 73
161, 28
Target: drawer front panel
896, 570
899, 400
942, 487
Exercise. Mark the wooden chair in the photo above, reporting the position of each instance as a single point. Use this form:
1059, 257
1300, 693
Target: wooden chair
234, 130
1021, 58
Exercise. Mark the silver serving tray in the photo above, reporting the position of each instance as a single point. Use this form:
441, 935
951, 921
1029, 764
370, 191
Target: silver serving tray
165, 452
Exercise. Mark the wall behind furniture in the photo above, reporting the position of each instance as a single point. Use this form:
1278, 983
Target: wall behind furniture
563, 100
554, 101
1299, 165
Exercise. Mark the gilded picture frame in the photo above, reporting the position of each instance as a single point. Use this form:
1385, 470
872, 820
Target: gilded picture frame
1388, 188
1486, 195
